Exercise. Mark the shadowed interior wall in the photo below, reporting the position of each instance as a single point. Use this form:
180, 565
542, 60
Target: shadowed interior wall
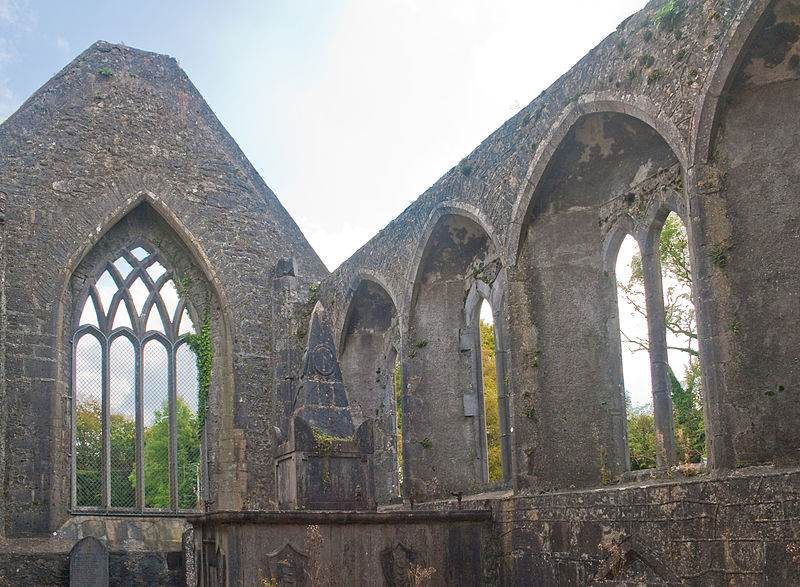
750, 250
368, 356
440, 427
570, 415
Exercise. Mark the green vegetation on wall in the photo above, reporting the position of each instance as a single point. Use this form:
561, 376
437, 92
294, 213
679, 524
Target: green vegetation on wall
204, 353
488, 361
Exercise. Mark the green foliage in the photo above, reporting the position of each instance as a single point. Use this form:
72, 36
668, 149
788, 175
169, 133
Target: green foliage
642, 438
88, 453
488, 360
425, 442
156, 458
313, 293
104, 71
204, 354
718, 254
668, 16
421, 343
631, 74
325, 441
465, 168
123, 460
398, 392
646, 60
654, 76
182, 286
89, 456
687, 409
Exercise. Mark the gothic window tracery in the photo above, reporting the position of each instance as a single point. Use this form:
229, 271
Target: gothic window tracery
136, 443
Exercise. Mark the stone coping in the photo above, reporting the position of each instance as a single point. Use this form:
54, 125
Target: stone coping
306, 517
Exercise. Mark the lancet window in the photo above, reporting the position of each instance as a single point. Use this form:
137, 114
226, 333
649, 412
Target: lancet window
136, 444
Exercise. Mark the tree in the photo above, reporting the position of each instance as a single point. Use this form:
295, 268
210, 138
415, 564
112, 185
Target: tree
88, 453
156, 458
680, 322
673, 252
641, 438
89, 456
490, 402
123, 460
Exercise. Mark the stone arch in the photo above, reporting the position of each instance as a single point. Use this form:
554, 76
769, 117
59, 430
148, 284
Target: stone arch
442, 423
355, 282
585, 191
370, 338
744, 201
443, 209
639, 107
721, 73
145, 219
471, 341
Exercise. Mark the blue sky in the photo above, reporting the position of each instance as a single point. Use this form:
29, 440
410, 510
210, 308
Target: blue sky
349, 109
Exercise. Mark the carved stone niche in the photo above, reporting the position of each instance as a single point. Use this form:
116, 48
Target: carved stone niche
321, 472
288, 566
396, 565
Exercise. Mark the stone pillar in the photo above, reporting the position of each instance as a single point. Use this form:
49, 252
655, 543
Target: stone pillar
659, 365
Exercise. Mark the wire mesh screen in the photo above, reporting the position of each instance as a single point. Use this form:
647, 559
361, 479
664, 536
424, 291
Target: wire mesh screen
135, 298
122, 421
155, 384
188, 439
88, 422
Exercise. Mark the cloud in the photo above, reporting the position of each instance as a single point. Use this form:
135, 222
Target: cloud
8, 100
18, 13
63, 47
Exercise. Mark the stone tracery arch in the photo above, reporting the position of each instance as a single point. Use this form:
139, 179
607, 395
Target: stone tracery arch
138, 225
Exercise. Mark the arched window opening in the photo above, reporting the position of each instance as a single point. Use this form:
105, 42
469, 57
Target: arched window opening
136, 435
368, 362
398, 397
635, 355
668, 332
490, 403
681, 329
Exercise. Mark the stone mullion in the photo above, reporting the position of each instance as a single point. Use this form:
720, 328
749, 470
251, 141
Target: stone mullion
106, 425
139, 401
480, 412
501, 367
173, 429
659, 365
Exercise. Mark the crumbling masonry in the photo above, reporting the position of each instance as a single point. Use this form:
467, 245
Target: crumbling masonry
689, 107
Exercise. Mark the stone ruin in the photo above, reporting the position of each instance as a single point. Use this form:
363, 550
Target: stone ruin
136, 237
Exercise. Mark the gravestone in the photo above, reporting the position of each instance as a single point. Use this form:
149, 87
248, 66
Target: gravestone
88, 563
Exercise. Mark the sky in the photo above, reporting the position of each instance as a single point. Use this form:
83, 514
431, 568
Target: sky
349, 109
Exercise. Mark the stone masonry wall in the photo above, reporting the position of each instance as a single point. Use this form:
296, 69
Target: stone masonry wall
81, 153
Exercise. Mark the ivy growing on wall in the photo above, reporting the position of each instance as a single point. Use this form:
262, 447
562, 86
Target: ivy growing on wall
204, 353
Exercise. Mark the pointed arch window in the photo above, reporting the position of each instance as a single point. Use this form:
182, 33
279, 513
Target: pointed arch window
136, 445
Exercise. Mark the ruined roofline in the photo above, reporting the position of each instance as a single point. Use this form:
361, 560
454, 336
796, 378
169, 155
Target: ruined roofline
586, 80
161, 74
